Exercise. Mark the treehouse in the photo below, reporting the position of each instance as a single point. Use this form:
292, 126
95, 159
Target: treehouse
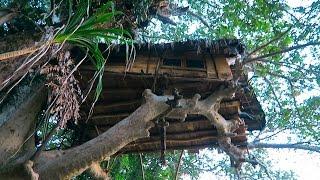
190, 67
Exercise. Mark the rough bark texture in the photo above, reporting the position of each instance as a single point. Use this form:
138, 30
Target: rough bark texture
8, 16
97, 172
17, 118
10, 44
63, 164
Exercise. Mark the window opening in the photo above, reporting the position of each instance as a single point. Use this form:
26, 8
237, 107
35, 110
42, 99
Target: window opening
172, 62
117, 60
195, 63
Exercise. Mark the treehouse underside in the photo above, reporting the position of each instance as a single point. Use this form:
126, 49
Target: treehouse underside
190, 67
122, 94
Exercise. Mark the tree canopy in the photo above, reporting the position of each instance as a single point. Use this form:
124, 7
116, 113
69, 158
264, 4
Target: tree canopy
282, 60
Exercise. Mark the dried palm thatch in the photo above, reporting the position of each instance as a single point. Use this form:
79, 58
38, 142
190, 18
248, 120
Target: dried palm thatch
83, 31
65, 93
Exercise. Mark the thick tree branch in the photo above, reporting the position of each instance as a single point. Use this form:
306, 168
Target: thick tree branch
6, 15
270, 42
65, 164
77, 159
18, 114
97, 172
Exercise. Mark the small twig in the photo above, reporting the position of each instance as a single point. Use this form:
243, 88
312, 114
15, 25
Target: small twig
200, 18
178, 165
253, 161
285, 146
141, 163
294, 100
267, 137
97, 130
286, 64
288, 78
273, 92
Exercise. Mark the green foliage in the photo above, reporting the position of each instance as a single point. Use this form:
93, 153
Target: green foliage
129, 167
87, 31
284, 81
286, 84
30, 16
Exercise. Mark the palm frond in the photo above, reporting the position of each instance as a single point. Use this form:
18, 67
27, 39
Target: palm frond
86, 31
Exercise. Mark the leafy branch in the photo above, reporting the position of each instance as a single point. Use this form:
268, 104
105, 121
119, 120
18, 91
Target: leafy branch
262, 58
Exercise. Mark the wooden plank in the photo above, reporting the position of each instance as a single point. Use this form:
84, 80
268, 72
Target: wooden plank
211, 70
156, 147
182, 72
139, 65
115, 108
223, 68
89, 71
229, 108
115, 68
108, 119
122, 103
198, 143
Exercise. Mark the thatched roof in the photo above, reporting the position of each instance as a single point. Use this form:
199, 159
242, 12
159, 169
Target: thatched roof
226, 47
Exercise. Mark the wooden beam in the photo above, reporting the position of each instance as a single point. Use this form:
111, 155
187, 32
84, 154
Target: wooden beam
223, 68
107, 119
119, 104
85, 69
172, 142
169, 149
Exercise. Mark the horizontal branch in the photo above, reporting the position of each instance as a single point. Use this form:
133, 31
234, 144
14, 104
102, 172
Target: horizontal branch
7, 16
260, 58
285, 146
270, 42
67, 163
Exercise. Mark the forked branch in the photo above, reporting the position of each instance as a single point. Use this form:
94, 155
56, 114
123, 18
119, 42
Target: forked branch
75, 160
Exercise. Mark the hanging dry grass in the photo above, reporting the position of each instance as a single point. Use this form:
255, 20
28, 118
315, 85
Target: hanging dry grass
65, 93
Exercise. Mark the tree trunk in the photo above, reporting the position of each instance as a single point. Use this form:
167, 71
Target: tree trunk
18, 114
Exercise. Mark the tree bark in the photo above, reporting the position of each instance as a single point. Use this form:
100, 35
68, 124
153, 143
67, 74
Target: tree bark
64, 164
11, 44
17, 118
7, 16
